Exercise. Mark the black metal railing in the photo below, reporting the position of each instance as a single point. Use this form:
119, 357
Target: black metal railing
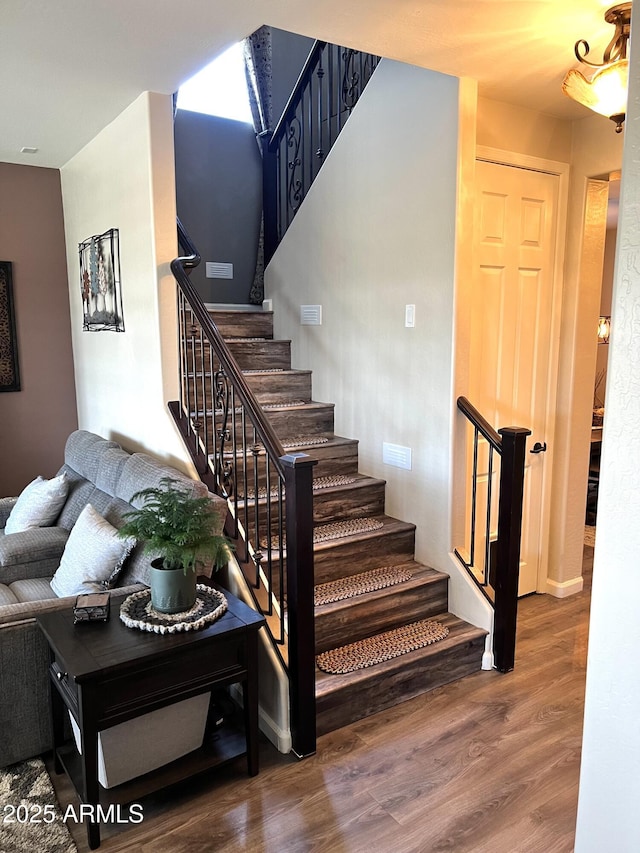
269, 492
493, 555
328, 88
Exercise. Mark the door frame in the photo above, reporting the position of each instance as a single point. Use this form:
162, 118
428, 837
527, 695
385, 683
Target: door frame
561, 171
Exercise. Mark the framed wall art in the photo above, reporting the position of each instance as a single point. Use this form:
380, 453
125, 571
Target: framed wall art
100, 283
9, 370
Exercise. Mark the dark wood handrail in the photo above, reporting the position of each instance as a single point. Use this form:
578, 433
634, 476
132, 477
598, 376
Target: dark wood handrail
482, 424
294, 97
271, 442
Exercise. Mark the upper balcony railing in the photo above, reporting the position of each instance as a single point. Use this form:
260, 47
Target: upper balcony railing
327, 90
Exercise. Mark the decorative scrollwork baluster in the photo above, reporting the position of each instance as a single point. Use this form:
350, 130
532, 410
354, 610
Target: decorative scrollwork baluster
350, 80
294, 164
223, 467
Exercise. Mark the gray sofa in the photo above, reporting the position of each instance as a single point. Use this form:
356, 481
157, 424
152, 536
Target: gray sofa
101, 473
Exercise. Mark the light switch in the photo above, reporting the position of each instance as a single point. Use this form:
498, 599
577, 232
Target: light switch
410, 316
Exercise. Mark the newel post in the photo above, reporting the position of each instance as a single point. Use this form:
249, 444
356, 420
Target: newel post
514, 441
269, 195
298, 471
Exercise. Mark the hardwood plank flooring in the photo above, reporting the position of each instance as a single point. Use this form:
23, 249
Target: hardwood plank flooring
488, 764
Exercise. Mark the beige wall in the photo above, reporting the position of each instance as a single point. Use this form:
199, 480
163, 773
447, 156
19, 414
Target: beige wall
377, 232
124, 178
523, 131
596, 151
609, 780
35, 421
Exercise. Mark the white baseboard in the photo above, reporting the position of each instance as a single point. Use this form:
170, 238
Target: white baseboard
279, 737
565, 588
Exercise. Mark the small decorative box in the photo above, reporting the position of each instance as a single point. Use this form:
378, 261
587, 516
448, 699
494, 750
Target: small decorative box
93, 607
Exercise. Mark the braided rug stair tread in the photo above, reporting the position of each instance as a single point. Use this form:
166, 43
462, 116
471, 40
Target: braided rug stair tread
256, 371
318, 484
284, 404
304, 440
363, 582
382, 647
340, 529
335, 530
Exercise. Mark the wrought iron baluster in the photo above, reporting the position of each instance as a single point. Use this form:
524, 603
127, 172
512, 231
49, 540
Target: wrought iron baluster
320, 73
223, 402
474, 497
487, 533
269, 540
281, 560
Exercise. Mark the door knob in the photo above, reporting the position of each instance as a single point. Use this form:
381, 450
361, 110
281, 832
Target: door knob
538, 448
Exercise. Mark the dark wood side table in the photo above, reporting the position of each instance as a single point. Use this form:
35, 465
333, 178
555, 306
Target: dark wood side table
106, 673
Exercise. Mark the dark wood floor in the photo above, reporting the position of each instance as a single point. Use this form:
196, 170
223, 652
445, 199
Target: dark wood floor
489, 763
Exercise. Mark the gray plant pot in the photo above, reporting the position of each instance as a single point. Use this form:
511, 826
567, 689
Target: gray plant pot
172, 591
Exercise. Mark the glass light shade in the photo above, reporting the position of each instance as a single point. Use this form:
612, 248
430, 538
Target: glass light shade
604, 330
605, 93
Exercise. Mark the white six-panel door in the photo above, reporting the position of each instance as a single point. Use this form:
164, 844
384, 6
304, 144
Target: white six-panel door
512, 345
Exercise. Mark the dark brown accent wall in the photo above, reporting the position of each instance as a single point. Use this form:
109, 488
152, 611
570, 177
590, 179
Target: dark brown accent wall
35, 421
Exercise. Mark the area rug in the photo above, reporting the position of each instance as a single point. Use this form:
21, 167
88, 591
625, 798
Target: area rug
363, 582
382, 647
31, 818
589, 536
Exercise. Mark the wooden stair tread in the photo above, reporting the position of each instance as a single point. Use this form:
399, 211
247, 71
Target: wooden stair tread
460, 633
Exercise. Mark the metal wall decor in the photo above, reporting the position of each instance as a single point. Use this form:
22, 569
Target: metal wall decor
100, 283
9, 372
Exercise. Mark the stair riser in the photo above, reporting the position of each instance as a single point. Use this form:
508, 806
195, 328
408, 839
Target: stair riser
287, 422
243, 324
348, 502
265, 355
363, 617
353, 502
253, 355
278, 387
267, 388
352, 555
332, 459
411, 679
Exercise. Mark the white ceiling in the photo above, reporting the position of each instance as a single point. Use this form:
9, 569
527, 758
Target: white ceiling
69, 67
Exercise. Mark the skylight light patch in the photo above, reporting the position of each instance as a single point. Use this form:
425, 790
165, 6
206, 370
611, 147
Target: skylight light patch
220, 89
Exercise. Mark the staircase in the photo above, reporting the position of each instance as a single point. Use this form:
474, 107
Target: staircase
372, 540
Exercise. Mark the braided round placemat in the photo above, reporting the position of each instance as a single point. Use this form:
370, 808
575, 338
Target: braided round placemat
382, 647
363, 582
136, 611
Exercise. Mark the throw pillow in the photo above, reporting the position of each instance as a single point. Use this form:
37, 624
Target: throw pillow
93, 556
39, 504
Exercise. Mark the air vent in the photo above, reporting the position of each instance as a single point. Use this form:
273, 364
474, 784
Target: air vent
216, 269
311, 315
396, 455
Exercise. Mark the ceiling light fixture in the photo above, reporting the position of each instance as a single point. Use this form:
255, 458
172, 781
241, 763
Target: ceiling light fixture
606, 91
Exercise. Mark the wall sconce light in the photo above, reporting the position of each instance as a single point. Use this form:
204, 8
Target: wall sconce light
606, 92
604, 330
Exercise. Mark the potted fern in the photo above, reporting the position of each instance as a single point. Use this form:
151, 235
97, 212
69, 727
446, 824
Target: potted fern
181, 531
